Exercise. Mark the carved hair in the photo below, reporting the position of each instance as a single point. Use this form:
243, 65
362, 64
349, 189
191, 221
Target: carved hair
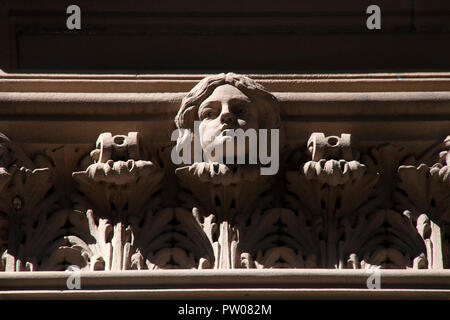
267, 104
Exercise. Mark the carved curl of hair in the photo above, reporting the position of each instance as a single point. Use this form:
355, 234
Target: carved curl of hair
269, 116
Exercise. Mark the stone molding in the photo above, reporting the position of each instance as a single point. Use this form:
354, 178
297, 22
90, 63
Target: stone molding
154, 83
267, 284
356, 189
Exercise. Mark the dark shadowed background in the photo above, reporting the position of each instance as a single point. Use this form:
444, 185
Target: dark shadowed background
282, 36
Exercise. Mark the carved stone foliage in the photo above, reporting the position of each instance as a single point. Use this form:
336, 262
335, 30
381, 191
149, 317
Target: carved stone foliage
31, 221
119, 223
424, 195
349, 216
221, 199
336, 204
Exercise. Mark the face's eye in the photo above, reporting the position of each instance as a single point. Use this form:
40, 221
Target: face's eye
241, 111
207, 114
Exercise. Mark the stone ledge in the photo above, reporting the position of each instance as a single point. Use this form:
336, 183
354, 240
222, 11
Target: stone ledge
292, 103
224, 294
370, 82
237, 284
381, 116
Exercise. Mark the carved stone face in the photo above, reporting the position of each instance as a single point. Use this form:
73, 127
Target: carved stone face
227, 108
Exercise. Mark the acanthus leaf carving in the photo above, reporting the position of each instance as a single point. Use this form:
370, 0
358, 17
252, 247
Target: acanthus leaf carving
346, 204
330, 192
119, 223
222, 198
424, 194
273, 240
32, 220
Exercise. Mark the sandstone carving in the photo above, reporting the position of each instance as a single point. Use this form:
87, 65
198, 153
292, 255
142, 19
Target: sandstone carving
31, 218
120, 224
424, 194
223, 196
333, 203
351, 226
334, 162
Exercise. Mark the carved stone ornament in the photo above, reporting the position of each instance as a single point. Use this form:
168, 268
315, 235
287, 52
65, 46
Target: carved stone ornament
221, 196
332, 202
120, 224
30, 217
338, 200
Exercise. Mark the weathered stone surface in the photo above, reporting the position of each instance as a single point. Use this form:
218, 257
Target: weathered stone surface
334, 203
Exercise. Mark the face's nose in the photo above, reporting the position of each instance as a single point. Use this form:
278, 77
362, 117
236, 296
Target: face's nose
226, 116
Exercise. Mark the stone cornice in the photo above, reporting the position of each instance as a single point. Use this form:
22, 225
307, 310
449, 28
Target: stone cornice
228, 284
87, 179
147, 83
371, 115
